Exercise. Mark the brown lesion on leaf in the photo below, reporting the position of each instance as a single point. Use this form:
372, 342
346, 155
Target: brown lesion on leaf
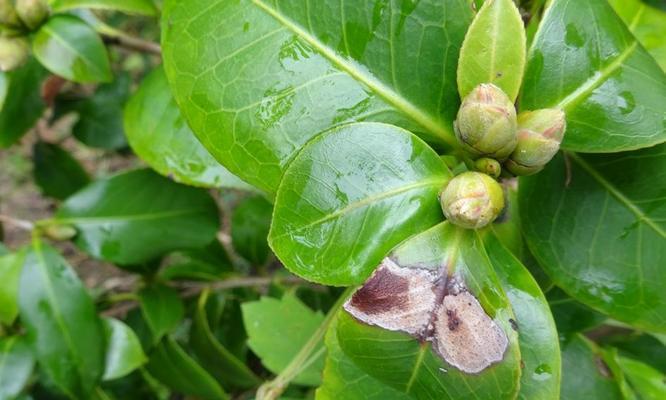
602, 367
383, 292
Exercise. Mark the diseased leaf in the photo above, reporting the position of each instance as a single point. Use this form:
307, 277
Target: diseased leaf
646, 381
494, 49
23, 104
537, 334
160, 136
278, 329
11, 265
63, 330
647, 24
136, 216
439, 287
350, 196
123, 350
69, 47
142, 7
56, 172
585, 61
16, 365
599, 230
250, 223
162, 309
294, 70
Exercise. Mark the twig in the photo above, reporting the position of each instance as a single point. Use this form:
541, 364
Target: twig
120, 38
19, 223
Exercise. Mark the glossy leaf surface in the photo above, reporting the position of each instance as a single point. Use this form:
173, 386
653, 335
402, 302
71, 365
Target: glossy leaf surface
143, 7
16, 365
69, 47
56, 172
494, 49
137, 216
172, 366
585, 61
63, 329
601, 236
10, 271
162, 309
256, 79
412, 366
160, 136
123, 350
350, 196
23, 104
250, 224
647, 24
537, 334
278, 329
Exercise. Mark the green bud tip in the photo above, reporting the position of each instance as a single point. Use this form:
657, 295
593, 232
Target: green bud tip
472, 200
488, 166
486, 122
32, 12
14, 52
540, 134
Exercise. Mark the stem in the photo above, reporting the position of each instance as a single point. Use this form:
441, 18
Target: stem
114, 36
272, 390
19, 223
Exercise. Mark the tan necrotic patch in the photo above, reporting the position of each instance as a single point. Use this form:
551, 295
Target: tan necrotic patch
431, 307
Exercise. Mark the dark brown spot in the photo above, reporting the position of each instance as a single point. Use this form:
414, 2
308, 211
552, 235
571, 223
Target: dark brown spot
383, 292
453, 320
514, 324
522, 364
499, 75
602, 367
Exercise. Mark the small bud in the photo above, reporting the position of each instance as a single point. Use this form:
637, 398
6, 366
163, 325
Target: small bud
59, 233
486, 122
13, 52
540, 133
32, 12
8, 15
472, 200
488, 166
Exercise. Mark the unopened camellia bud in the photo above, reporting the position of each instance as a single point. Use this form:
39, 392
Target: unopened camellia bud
486, 122
59, 232
540, 133
8, 15
472, 200
488, 166
14, 52
32, 12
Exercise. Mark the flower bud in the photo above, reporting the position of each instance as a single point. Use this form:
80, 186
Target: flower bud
472, 200
8, 15
59, 233
488, 166
486, 122
32, 12
13, 52
540, 133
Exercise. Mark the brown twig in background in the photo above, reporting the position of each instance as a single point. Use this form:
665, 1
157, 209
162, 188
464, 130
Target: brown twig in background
132, 43
19, 223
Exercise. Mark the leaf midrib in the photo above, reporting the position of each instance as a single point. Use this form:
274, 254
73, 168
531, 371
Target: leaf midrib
125, 218
391, 96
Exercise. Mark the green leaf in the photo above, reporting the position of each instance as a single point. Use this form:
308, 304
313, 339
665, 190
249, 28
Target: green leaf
350, 196
644, 347
648, 383
277, 331
16, 365
69, 47
494, 49
647, 24
160, 136
585, 374
63, 329
599, 231
142, 7
432, 265
342, 379
585, 61
219, 361
56, 172
208, 264
571, 316
172, 366
23, 104
123, 350
250, 223
4, 88
99, 121
162, 310
293, 71
137, 216
10, 272
537, 334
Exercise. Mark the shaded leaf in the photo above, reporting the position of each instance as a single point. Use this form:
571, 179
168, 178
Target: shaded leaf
57, 173
601, 234
639, 346
585, 61
250, 223
136, 216
123, 352
70, 48
350, 196
162, 310
647, 24
571, 316
494, 49
16, 365
208, 264
294, 71
277, 331
11, 265
63, 330
143, 7
646, 381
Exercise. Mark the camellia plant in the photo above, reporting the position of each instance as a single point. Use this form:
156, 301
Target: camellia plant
386, 199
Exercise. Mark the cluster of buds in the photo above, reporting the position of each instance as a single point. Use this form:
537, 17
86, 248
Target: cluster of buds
489, 130
17, 18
